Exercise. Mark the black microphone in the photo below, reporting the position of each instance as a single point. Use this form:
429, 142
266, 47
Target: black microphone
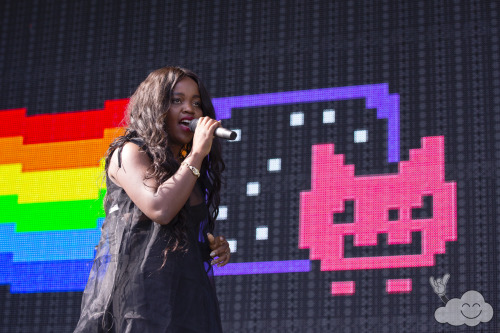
220, 132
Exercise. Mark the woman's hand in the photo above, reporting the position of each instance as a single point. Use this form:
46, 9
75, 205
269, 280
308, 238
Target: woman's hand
204, 135
220, 248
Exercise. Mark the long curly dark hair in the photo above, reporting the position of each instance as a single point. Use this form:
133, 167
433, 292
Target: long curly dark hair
146, 120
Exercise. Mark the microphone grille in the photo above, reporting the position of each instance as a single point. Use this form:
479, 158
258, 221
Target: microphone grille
192, 124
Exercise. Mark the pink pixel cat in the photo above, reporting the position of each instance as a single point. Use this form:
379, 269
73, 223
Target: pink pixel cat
333, 183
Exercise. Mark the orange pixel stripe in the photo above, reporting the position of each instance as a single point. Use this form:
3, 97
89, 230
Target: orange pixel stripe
56, 155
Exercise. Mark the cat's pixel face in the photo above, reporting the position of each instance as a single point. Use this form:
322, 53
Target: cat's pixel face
383, 204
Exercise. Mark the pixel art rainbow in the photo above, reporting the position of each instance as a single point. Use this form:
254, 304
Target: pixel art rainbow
51, 192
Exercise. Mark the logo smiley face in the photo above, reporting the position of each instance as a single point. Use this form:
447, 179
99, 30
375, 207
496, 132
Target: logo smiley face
471, 309
468, 311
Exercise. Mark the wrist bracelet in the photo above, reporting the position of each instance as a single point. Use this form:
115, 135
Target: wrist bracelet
195, 171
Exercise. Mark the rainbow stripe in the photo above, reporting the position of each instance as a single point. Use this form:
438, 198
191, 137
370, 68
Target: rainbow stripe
51, 191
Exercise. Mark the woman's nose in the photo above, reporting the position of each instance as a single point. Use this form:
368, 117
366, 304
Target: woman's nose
187, 107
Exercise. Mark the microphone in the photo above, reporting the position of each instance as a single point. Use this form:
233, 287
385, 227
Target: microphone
220, 132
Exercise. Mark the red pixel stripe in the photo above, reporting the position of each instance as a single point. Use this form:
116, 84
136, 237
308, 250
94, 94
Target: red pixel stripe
70, 126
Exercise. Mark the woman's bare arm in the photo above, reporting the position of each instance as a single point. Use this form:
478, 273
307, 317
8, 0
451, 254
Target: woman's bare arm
160, 203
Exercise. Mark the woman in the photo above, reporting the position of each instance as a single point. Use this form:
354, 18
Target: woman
152, 271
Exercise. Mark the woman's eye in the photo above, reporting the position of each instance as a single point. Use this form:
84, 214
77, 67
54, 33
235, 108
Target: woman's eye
176, 101
198, 103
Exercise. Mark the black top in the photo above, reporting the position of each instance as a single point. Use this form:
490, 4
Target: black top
128, 290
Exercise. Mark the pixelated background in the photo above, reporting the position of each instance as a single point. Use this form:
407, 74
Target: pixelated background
440, 57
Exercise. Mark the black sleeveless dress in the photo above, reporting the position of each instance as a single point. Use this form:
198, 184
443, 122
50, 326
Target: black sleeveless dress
128, 290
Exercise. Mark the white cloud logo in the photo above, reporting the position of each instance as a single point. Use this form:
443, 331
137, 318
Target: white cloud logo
471, 309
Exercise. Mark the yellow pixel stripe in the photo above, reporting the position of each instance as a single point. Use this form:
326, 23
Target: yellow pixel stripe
51, 185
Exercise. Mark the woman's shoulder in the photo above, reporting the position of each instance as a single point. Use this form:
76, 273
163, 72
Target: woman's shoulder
129, 155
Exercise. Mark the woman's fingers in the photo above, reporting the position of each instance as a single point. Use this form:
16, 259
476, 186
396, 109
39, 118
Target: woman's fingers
222, 259
204, 135
207, 124
211, 240
220, 250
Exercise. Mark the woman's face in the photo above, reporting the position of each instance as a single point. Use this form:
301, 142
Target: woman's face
184, 106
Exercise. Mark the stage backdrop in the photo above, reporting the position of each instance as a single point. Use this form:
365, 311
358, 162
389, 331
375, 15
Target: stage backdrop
363, 180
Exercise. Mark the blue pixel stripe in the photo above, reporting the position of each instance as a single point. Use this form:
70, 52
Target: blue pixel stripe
71, 275
61, 260
264, 267
43, 276
49, 245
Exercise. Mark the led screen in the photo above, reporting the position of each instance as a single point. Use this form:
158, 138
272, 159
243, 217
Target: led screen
362, 191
